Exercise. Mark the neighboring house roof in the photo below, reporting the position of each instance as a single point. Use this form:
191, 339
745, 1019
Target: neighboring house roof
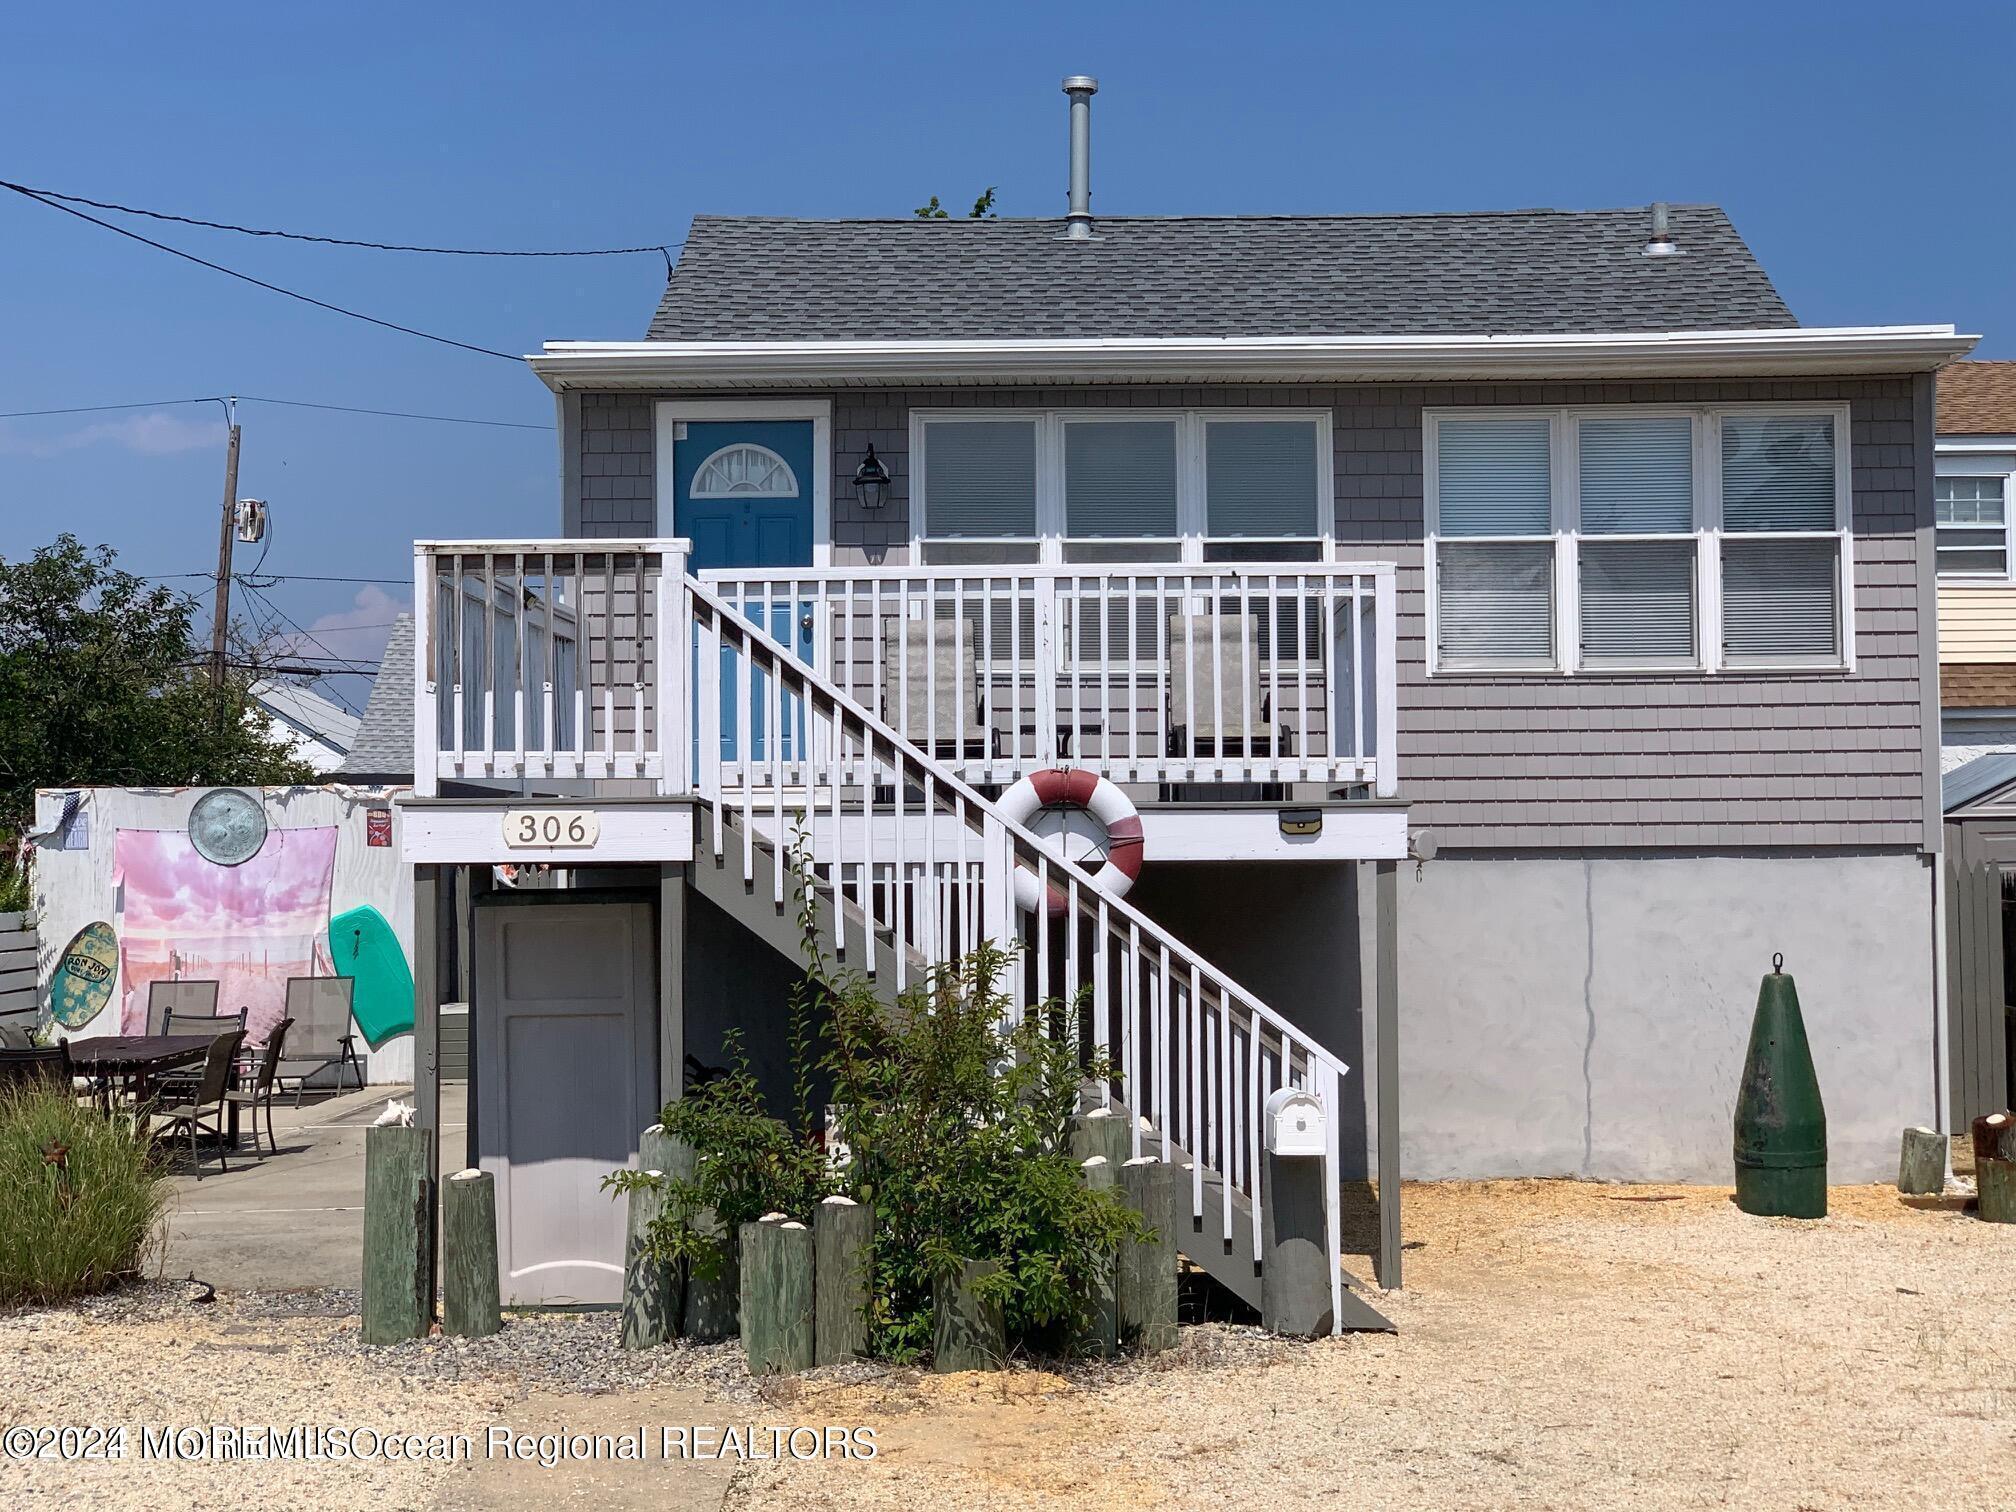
1977, 685
1977, 399
753, 278
320, 729
1971, 783
383, 748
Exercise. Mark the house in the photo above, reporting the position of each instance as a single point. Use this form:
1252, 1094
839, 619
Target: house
1975, 464
1484, 642
318, 730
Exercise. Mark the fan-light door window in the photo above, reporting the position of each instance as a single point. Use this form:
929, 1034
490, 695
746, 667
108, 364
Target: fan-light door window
1097, 486
1636, 538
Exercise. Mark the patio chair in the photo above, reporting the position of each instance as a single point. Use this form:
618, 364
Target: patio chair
209, 1100
176, 1021
1214, 666
192, 997
319, 1009
942, 685
24, 1069
260, 1093
16, 1037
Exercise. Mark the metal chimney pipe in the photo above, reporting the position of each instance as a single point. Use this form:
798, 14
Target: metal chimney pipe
1661, 244
1081, 88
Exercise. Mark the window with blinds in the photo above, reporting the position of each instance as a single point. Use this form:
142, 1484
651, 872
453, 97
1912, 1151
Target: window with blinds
1635, 487
1120, 486
982, 481
1494, 588
1973, 526
1260, 490
1712, 538
1781, 598
1098, 487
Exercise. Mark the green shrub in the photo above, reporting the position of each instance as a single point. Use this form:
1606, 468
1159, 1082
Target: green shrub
959, 1130
81, 1198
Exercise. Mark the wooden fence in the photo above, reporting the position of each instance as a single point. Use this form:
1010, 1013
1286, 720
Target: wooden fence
18, 993
1978, 944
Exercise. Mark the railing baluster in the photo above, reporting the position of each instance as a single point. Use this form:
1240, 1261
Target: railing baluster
1164, 1018
1130, 1032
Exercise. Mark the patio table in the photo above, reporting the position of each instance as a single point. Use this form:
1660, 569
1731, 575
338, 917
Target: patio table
137, 1059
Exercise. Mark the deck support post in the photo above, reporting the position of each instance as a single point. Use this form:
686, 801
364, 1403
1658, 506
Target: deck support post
671, 982
1386, 956
427, 908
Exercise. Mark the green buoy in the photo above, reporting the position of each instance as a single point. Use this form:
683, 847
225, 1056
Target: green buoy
1781, 1127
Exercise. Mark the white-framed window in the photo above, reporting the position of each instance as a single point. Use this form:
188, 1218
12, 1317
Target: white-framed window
1091, 486
1973, 525
1639, 538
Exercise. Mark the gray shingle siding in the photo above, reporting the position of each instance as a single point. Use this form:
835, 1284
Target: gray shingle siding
1523, 763
615, 452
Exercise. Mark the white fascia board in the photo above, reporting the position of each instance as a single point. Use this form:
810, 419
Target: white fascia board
667, 365
1963, 445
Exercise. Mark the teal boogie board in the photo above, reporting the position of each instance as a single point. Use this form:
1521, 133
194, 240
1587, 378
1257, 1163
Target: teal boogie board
81, 984
362, 945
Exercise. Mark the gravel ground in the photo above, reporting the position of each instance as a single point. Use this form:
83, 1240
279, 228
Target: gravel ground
1562, 1345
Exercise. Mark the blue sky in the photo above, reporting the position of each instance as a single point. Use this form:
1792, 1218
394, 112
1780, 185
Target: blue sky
1858, 147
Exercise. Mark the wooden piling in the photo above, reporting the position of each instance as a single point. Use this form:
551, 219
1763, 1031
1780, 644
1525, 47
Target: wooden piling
712, 1290
1295, 1276
1102, 1336
1995, 1182
967, 1331
469, 1255
398, 1234
842, 1233
659, 1151
1921, 1166
1147, 1267
650, 1285
1101, 1132
777, 1307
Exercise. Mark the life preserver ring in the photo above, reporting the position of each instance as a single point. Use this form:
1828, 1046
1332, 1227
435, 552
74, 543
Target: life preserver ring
1072, 787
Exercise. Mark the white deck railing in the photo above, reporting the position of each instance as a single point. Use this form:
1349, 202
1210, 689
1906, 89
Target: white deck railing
541, 660
910, 861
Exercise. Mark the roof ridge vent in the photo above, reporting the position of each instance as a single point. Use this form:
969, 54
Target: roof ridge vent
1662, 243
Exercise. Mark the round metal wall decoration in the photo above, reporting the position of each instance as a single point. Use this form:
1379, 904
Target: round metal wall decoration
227, 827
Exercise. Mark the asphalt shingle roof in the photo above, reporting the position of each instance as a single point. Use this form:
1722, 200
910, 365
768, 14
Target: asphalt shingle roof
1977, 399
383, 747
1525, 272
1976, 780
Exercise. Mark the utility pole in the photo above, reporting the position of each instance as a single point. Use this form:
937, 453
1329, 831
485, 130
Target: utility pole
221, 617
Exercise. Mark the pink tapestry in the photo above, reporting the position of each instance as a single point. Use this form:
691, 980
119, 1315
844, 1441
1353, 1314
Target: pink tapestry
248, 927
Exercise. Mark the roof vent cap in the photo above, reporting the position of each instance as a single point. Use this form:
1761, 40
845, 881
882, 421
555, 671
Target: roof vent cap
1662, 243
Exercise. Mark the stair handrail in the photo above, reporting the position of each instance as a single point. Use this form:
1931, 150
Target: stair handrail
787, 665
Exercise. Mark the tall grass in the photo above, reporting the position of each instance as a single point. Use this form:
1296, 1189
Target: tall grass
81, 1198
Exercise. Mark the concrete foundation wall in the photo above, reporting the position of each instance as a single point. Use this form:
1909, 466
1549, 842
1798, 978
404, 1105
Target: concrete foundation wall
1589, 1017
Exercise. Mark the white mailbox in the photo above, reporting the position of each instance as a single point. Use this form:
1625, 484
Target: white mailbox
1294, 1123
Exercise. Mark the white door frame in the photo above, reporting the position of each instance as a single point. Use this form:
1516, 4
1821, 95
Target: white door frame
669, 412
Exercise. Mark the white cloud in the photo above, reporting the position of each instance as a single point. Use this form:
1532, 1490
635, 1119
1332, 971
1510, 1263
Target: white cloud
355, 634
150, 435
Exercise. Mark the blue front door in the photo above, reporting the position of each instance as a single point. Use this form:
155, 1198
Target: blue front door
742, 493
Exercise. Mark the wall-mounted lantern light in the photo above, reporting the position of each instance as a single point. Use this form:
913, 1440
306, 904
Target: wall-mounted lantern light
871, 481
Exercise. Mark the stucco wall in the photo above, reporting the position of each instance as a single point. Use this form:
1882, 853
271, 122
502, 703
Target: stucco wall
1589, 1017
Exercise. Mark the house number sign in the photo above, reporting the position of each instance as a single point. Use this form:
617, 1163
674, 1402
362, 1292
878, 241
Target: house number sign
551, 829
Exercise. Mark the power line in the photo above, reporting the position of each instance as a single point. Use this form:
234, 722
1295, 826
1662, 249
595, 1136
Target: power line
278, 577
204, 262
97, 409
344, 409
351, 409
330, 241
